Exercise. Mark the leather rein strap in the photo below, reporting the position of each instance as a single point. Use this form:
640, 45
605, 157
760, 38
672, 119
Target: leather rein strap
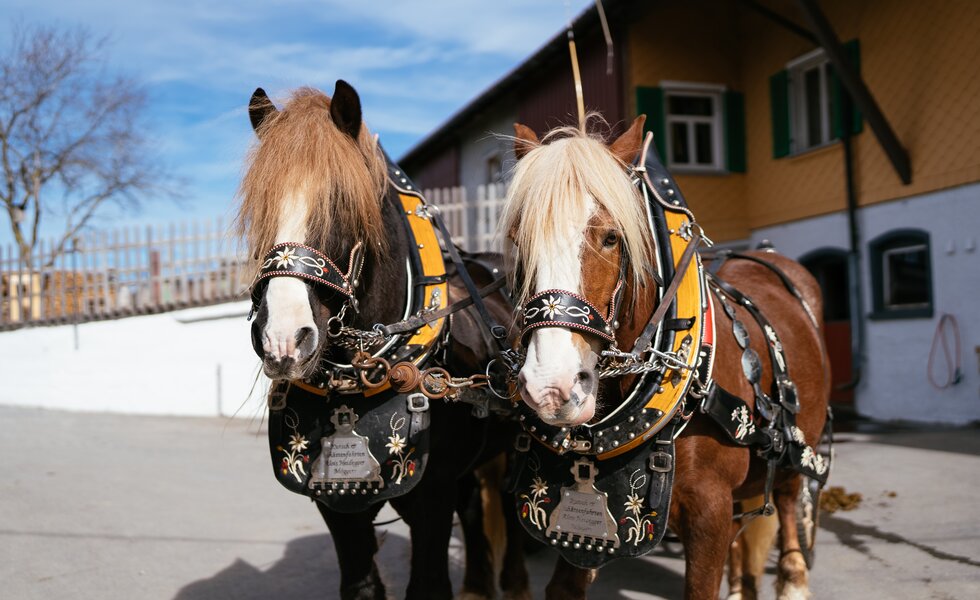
413, 323
643, 342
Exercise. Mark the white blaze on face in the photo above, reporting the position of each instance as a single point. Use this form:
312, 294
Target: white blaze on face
287, 298
550, 376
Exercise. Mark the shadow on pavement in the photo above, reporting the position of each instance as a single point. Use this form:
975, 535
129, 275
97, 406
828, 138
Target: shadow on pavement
305, 570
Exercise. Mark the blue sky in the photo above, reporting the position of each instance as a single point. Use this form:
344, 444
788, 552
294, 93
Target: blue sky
414, 64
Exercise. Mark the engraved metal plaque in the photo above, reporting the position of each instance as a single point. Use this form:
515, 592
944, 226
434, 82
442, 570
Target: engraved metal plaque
345, 459
582, 514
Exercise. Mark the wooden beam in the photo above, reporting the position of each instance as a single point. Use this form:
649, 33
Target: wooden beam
780, 20
858, 91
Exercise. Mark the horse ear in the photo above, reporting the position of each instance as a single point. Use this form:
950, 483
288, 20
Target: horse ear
525, 140
628, 145
260, 108
345, 109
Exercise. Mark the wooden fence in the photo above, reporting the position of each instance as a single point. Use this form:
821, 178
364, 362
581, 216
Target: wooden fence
127, 271
152, 269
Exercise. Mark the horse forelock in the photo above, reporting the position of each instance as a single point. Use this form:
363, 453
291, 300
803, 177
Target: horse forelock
554, 185
302, 157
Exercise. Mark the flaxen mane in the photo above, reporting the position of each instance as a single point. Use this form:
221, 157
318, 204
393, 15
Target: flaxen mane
552, 182
301, 153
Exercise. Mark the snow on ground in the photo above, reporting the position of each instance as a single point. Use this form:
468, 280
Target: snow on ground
195, 362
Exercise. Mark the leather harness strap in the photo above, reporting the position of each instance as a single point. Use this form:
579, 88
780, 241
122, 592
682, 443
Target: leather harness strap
642, 342
413, 323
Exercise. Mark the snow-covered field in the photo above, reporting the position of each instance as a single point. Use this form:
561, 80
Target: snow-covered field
191, 362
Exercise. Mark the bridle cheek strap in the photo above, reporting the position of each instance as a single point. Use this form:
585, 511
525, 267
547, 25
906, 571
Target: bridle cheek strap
560, 308
291, 259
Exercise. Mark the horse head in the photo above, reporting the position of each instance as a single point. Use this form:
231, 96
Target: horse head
581, 249
312, 195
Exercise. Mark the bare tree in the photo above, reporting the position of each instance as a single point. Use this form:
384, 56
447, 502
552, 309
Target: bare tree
70, 136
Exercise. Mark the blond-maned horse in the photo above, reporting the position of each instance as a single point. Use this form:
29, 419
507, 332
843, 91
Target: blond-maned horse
573, 214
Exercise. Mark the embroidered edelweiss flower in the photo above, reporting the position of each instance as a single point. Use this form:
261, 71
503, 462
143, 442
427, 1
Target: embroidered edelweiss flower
552, 307
396, 444
285, 257
633, 503
298, 443
538, 488
798, 435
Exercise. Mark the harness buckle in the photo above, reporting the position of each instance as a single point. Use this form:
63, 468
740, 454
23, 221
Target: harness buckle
522, 443
661, 462
418, 403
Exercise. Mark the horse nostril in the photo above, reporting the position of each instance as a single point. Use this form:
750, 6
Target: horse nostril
583, 376
302, 334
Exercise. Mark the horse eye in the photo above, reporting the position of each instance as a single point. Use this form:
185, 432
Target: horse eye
612, 238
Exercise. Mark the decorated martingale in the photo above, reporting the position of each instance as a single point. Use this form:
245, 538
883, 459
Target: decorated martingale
602, 491
358, 433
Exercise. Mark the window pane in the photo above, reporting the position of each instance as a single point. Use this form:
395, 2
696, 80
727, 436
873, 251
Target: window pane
703, 144
689, 105
907, 276
678, 144
811, 85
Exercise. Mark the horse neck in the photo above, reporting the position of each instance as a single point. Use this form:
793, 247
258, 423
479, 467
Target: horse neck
381, 293
638, 307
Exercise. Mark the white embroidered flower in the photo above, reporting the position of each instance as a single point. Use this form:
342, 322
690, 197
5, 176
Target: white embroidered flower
552, 307
798, 436
298, 443
538, 488
396, 444
634, 503
285, 257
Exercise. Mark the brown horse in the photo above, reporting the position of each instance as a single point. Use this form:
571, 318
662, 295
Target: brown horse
575, 218
316, 177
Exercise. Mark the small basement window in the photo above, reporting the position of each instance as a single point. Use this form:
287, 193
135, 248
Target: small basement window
901, 274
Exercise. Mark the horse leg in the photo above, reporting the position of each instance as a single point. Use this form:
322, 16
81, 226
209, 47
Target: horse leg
428, 510
792, 580
356, 544
735, 570
754, 544
569, 582
478, 576
704, 517
514, 581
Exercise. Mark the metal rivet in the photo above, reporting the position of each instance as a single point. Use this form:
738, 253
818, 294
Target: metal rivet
375, 491
601, 448
588, 546
670, 192
318, 492
342, 492
677, 202
403, 180
598, 434
532, 428
616, 428
615, 443
408, 187
330, 492
554, 542
664, 181
577, 545
565, 544
631, 419
421, 246
632, 435
397, 172
611, 550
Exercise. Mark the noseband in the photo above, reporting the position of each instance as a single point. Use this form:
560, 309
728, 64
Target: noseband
292, 259
561, 308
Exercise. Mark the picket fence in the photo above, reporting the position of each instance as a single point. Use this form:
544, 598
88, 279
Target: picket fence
157, 268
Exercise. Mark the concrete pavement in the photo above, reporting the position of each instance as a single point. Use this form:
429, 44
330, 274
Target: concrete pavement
122, 507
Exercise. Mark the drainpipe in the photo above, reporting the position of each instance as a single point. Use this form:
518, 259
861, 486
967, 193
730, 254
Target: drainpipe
854, 256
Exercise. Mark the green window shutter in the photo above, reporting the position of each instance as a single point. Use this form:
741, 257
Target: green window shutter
735, 132
650, 101
779, 101
852, 50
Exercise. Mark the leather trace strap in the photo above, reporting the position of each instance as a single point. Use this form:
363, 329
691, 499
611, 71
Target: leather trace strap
559, 308
292, 259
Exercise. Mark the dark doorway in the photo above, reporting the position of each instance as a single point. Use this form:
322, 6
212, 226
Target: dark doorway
829, 267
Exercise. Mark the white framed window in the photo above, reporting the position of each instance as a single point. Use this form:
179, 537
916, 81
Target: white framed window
693, 114
810, 101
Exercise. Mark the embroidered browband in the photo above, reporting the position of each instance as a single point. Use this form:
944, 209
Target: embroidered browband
290, 259
558, 308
